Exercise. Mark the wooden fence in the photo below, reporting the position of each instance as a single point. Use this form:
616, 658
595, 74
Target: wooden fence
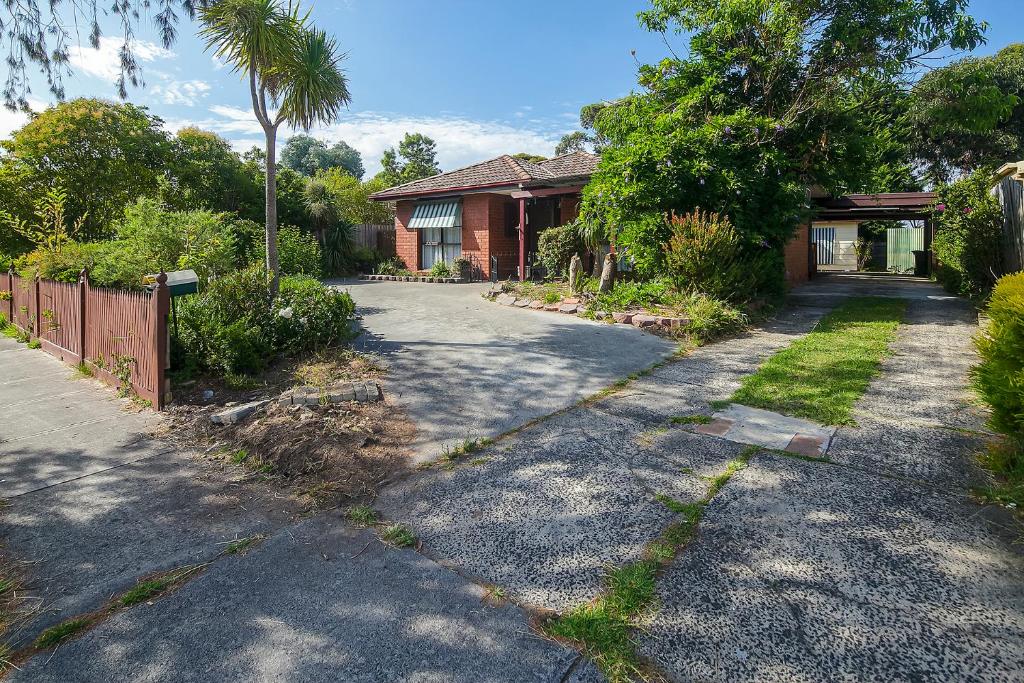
118, 333
373, 236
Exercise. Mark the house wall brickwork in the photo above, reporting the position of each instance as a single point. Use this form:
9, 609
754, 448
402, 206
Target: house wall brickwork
407, 240
570, 208
797, 256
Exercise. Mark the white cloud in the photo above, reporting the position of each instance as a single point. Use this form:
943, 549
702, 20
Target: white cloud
11, 121
187, 93
105, 61
460, 140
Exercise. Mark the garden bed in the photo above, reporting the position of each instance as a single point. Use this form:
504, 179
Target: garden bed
650, 305
328, 453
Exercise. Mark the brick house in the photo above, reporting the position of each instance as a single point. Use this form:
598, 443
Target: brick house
475, 212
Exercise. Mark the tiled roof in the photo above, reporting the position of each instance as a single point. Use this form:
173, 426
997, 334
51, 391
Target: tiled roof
505, 170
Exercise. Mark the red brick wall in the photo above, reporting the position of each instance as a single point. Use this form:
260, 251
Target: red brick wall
504, 244
797, 256
407, 241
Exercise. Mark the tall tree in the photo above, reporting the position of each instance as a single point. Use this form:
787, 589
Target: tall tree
290, 65
205, 173
105, 155
969, 114
307, 155
40, 34
766, 103
416, 158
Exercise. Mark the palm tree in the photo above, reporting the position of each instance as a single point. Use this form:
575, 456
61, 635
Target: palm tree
291, 65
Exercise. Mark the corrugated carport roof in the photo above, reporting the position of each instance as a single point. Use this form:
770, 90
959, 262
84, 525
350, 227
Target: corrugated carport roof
881, 206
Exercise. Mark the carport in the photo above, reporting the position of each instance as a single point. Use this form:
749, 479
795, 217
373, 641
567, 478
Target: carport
838, 218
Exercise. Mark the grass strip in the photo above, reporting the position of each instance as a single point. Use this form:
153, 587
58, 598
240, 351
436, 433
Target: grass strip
821, 376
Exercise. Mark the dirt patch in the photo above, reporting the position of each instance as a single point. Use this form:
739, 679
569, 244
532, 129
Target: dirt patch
329, 455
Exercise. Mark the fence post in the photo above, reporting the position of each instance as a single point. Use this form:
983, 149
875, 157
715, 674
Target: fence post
10, 290
37, 325
83, 294
160, 305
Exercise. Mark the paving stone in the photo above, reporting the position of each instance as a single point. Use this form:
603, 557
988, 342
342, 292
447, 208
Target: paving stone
769, 429
810, 446
236, 414
808, 571
717, 427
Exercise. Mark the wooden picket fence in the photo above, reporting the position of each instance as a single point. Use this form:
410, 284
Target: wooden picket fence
118, 334
374, 236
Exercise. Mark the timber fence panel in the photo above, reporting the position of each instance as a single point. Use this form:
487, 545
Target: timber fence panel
120, 334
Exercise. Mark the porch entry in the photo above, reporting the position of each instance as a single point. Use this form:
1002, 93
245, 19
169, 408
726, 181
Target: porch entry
440, 226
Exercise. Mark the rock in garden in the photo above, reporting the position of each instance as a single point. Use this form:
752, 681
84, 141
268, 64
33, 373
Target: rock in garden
645, 320
568, 308
522, 303
237, 413
622, 317
536, 305
506, 299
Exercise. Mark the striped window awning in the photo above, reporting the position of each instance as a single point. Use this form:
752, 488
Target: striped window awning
446, 214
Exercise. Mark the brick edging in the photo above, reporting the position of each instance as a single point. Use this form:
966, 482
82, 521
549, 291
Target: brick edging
415, 278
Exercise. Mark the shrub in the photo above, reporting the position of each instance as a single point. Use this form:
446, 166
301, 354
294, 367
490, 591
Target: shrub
228, 328
556, 246
392, 266
440, 269
711, 318
298, 251
310, 315
644, 239
969, 238
999, 379
707, 254
340, 251
631, 295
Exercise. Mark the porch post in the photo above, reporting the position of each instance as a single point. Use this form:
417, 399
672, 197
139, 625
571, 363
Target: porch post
522, 239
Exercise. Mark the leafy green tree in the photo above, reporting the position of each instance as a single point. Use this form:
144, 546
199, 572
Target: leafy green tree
289, 64
40, 34
765, 104
307, 155
526, 156
970, 114
577, 141
106, 155
351, 198
416, 158
205, 173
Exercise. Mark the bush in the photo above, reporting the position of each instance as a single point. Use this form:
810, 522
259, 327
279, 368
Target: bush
392, 266
340, 251
706, 254
999, 379
310, 315
440, 269
644, 239
969, 238
298, 252
229, 328
632, 295
711, 318
556, 246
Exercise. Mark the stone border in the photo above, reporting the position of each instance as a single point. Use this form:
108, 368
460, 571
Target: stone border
641, 319
415, 278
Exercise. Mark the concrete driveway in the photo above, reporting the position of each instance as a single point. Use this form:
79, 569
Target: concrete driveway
464, 367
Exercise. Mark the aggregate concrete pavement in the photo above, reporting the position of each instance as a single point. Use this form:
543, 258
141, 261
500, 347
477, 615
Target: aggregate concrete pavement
464, 367
320, 602
544, 512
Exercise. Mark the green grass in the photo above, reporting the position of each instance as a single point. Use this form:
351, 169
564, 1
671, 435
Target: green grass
398, 535
821, 376
35, 344
144, 590
55, 635
362, 515
242, 544
734, 466
1006, 460
690, 419
602, 628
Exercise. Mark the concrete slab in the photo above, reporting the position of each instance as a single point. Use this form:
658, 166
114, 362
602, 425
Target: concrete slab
544, 513
810, 571
319, 603
464, 367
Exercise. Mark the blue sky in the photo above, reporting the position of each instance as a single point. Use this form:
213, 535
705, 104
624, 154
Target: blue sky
482, 78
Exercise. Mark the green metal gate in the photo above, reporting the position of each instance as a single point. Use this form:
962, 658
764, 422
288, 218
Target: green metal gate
899, 245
